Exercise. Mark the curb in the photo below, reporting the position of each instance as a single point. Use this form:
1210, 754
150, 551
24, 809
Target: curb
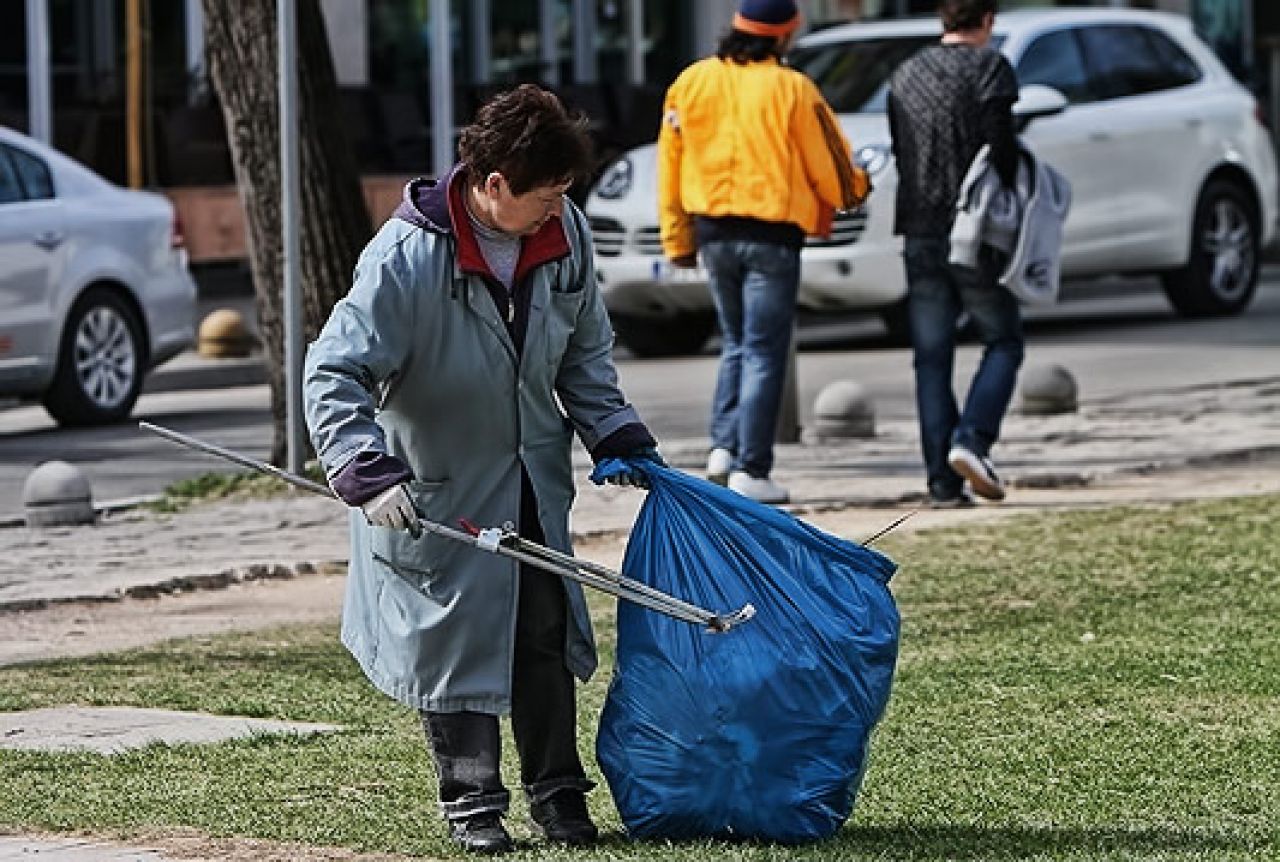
190, 371
107, 508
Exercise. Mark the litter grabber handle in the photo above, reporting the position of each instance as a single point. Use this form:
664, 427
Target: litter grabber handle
552, 560
503, 542
235, 457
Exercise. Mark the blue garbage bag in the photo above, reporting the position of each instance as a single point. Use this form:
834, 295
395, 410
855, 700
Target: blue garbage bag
760, 732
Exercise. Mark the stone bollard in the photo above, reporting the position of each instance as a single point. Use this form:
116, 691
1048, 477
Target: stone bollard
1048, 389
57, 494
223, 335
842, 410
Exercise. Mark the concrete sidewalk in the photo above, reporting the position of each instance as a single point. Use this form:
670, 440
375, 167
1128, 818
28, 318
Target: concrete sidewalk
21, 849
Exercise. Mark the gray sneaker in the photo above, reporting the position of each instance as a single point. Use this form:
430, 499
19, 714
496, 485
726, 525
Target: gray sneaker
762, 490
978, 470
719, 463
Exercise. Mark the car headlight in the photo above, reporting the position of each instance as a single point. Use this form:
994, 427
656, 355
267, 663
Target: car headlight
873, 158
615, 182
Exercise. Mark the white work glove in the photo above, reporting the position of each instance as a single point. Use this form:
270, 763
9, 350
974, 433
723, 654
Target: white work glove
393, 509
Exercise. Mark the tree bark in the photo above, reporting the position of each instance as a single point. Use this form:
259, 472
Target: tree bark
240, 43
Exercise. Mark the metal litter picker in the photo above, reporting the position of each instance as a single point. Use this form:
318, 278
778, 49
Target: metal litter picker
508, 543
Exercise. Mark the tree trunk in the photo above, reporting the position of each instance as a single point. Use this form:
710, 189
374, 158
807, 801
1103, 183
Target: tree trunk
240, 42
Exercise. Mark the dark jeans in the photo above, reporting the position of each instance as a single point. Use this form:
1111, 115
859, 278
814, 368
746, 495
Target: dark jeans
937, 293
754, 285
466, 745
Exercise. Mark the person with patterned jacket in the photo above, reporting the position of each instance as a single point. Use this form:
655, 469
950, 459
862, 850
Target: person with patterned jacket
751, 160
945, 103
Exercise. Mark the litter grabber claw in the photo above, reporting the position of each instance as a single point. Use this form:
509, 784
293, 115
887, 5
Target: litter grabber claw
508, 543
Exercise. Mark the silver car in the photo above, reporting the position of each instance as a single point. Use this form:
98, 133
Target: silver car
94, 285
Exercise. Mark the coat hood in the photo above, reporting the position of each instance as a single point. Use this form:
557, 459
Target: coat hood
425, 203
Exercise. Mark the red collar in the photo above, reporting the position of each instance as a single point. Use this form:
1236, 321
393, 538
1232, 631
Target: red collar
547, 244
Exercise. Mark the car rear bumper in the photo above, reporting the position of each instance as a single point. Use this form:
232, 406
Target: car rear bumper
171, 304
855, 277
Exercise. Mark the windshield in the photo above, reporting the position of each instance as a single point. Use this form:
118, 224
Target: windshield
854, 76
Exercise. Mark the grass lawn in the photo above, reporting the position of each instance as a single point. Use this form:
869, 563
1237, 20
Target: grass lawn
1101, 685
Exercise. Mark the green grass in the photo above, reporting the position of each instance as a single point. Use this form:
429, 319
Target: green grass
210, 487
1084, 686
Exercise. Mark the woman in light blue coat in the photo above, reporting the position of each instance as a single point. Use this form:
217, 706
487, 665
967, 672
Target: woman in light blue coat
449, 383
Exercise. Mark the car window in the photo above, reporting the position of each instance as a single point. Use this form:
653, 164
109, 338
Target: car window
1177, 62
1124, 61
1055, 60
854, 76
33, 174
10, 188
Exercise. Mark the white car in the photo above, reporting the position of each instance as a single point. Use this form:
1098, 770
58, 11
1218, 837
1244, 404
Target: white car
94, 285
1172, 172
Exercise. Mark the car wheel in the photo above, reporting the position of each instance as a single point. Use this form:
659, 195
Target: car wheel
1222, 271
679, 335
100, 362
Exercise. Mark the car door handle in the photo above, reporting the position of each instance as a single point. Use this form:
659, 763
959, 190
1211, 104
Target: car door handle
1099, 137
1194, 123
49, 239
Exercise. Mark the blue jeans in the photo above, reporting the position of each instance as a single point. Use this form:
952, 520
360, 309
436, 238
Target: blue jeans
754, 286
937, 293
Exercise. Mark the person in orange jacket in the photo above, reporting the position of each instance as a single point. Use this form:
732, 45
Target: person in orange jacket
751, 160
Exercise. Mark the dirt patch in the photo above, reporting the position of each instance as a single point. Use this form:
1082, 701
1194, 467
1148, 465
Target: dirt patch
201, 847
79, 629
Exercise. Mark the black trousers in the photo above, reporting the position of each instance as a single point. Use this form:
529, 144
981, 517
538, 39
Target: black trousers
466, 745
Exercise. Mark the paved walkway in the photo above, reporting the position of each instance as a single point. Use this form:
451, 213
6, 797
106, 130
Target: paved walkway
19, 849
139, 553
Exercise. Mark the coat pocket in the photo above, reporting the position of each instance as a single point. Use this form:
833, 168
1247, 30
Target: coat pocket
561, 321
421, 559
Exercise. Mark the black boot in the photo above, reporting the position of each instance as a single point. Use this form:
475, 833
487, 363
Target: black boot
481, 833
563, 818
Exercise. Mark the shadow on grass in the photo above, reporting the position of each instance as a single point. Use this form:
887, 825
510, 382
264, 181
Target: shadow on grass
960, 842
945, 841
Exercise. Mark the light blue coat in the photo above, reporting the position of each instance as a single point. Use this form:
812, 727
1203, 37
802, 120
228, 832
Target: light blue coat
415, 361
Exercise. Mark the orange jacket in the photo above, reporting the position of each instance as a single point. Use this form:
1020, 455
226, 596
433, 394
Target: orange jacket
754, 140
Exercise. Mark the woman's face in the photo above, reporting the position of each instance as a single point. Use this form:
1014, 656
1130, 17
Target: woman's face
520, 214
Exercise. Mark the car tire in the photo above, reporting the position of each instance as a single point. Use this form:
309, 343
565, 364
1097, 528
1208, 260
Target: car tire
653, 337
101, 362
1221, 274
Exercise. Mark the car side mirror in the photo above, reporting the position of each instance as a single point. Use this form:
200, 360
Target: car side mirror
1037, 100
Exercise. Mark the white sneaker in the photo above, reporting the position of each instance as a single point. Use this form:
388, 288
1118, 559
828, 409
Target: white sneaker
978, 470
761, 490
719, 463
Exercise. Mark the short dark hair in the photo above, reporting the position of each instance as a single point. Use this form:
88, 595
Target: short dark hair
964, 14
741, 47
528, 136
